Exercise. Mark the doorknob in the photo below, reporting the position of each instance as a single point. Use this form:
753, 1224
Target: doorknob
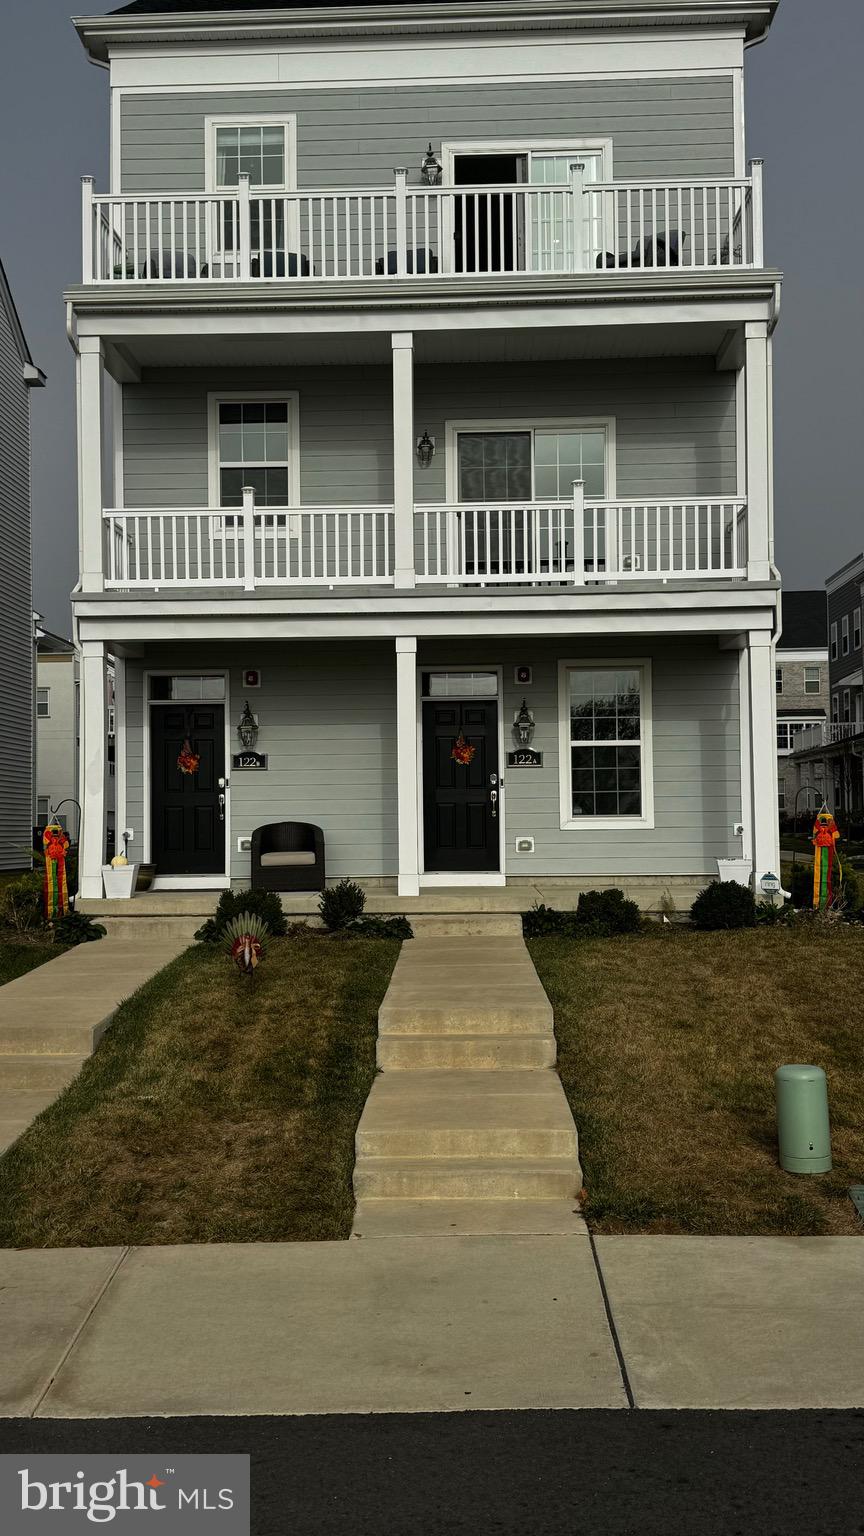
494, 798
222, 807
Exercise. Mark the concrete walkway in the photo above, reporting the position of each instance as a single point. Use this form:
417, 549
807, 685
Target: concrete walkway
467, 1129
52, 1019
424, 1324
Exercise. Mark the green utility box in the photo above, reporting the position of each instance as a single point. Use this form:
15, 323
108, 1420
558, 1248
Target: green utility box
803, 1128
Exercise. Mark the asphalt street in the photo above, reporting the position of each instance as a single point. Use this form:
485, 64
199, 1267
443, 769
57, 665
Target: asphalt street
600, 1472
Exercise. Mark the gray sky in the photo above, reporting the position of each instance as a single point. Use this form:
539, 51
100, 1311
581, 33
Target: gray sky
804, 118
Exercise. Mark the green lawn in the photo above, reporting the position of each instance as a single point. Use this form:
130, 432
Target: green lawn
19, 956
668, 1042
213, 1110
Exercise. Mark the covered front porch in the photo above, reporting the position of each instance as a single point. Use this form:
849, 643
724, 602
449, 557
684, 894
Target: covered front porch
632, 752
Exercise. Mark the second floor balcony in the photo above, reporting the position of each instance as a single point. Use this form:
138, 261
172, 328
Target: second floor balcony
413, 233
464, 545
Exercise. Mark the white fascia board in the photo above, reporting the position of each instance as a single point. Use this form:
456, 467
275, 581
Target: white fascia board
820, 654
429, 60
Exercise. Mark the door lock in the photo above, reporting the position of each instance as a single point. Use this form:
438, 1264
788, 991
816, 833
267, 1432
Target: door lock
222, 807
494, 798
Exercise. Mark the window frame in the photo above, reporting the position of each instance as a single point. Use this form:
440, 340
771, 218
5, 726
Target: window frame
856, 629
285, 120
791, 724
43, 714
218, 397
607, 424
835, 709
834, 645
778, 680
847, 707
813, 685
568, 821
844, 635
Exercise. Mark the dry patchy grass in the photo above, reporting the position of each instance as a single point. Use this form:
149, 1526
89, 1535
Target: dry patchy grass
668, 1042
212, 1111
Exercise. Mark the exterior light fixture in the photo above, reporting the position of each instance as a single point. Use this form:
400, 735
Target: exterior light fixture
247, 730
430, 170
523, 725
425, 450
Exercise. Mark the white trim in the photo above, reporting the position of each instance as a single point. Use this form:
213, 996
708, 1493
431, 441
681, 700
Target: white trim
569, 822
215, 397
120, 740
119, 475
116, 168
191, 883
147, 705
442, 877
286, 120
605, 424
740, 115
741, 433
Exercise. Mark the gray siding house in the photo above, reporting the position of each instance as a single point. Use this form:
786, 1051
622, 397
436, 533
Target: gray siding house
439, 350
830, 756
18, 375
802, 694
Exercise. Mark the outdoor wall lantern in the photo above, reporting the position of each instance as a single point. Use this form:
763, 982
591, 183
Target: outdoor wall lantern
247, 730
425, 450
523, 725
430, 170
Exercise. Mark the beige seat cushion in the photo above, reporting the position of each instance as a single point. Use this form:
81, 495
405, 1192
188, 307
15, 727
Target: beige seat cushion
286, 860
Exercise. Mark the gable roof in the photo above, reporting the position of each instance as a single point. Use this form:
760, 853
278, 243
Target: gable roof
54, 645
8, 304
805, 621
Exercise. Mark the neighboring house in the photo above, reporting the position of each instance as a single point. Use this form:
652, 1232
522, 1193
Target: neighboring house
18, 375
802, 693
56, 731
834, 753
397, 451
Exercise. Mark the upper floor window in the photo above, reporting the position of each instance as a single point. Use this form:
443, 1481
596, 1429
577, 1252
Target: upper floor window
43, 702
531, 463
834, 642
262, 148
847, 706
812, 679
787, 731
844, 634
835, 707
253, 443
856, 629
778, 679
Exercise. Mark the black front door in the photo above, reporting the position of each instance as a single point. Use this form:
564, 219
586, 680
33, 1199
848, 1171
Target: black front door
462, 802
188, 821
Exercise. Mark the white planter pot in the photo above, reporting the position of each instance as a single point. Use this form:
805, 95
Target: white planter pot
119, 881
739, 870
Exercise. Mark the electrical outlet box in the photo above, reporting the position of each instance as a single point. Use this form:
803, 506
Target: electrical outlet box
524, 845
244, 845
738, 829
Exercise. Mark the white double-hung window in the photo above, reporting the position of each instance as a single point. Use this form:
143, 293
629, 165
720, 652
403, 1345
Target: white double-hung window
254, 442
264, 149
605, 746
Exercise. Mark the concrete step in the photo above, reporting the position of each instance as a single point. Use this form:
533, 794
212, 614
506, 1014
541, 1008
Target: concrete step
479, 1053
484, 1115
391, 1178
41, 1037
466, 1218
148, 928
483, 1016
41, 1071
465, 925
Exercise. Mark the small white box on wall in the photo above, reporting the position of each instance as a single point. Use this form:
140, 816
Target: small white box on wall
524, 845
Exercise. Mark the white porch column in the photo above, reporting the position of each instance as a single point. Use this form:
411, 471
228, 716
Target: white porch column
757, 382
90, 495
403, 457
763, 756
93, 774
406, 765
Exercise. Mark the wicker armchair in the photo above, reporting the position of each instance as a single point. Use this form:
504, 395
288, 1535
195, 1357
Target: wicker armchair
288, 856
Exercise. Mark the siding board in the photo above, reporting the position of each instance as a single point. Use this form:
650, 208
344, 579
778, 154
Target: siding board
16, 608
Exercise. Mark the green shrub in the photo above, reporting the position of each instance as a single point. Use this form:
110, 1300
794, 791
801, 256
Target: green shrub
341, 905
724, 904
21, 903
801, 885
380, 928
770, 916
77, 928
852, 891
264, 904
599, 914
608, 912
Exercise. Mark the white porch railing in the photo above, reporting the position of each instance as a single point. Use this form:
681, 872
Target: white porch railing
404, 232
470, 543
825, 733
249, 547
464, 544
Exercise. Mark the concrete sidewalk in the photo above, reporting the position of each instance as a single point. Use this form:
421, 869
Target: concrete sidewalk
431, 1324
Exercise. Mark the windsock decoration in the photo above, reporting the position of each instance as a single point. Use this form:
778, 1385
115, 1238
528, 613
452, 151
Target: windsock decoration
55, 893
826, 865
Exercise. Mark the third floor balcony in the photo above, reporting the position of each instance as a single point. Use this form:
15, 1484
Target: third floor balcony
414, 233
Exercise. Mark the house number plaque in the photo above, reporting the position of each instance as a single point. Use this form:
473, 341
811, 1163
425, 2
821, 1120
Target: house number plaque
525, 757
242, 760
